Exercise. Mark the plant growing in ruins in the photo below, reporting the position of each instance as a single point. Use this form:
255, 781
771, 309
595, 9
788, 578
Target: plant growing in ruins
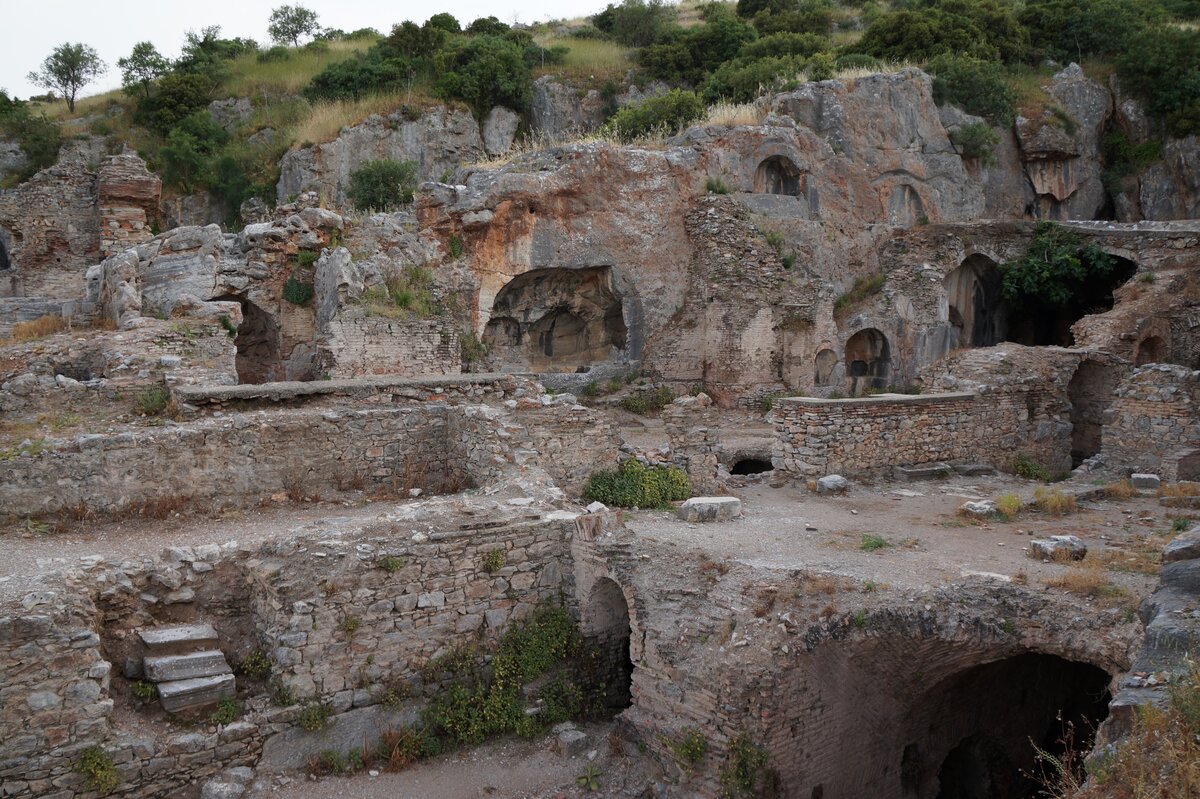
256, 665
471, 348
589, 780
143, 690
493, 561
153, 401
97, 766
716, 186
227, 324
297, 292
873, 543
976, 141
395, 694
635, 485
314, 716
1055, 268
1054, 501
1008, 506
227, 711
391, 563
382, 185
350, 625
1024, 466
282, 694
454, 246
862, 289
739, 776
689, 747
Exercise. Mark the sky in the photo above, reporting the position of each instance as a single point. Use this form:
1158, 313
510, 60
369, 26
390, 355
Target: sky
31, 29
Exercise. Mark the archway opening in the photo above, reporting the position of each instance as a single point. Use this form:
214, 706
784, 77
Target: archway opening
823, 366
905, 208
1151, 349
5, 263
1090, 392
751, 466
606, 625
977, 309
1039, 324
557, 320
868, 360
257, 342
779, 175
984, 726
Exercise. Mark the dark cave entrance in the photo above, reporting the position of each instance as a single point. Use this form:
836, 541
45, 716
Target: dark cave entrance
1151, 349
751, 466
1040, 325
606, 625
984, 723
1090, 392
868, 360
257, 342
779, 175
5, 263
977, 309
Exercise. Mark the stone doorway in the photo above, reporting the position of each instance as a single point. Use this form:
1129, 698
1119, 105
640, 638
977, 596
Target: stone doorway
606, 625
779, 175
868, 361
257, 343
976, 305
1090, 392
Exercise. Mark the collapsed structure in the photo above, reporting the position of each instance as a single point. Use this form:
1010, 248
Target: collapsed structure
846, 276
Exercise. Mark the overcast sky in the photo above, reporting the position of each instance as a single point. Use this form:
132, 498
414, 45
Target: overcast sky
32, 28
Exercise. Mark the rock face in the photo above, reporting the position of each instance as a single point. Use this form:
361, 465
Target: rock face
1061, 149
559, 109
439, 141
12, 157
1170, 189
499, 130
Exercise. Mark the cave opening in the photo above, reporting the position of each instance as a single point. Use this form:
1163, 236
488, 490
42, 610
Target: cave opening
606, 625
779, 175
983, 727
557, 320
5, 263
1151, 349
257, 342
751, 466
976, 304
1040, 324
868, 360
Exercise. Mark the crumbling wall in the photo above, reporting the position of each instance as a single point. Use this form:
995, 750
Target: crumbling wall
1154, 423
358, 345
571, 441
694, 434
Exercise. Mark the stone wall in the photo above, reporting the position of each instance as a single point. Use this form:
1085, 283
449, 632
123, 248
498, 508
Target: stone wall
1154, 423
569, 441
128, 195
694, 434
357, 345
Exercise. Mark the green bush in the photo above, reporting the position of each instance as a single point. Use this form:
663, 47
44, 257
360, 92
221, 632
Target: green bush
383, 185
740, 774
1124, 159
644, 401
690, 746
636, 23
667, 113
688, 55
153, 400
716, 186
297, 292
484, 72
976, 140
984, 29
1055, 269
314, 716
1162, 67
635, 485
276, 53
741, 80
143, 690
1072, 30
256, 665
39, 138
227, 712
367, 73
1024, 466
176, 97
803, 45
976, 86
97, 766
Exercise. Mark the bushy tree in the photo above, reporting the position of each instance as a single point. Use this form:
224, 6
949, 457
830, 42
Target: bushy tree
806, 16
484, 72
487, 26
636, 23
178, 97
206, 53
141, 68
976, 86
383, 185
369, 73
1072, 30
413, 41
687, 56
39, 138
667, 113
743, 80
784, 44
985, 29
445, 22
68, 69
1055, 269
1162, 66
289, 24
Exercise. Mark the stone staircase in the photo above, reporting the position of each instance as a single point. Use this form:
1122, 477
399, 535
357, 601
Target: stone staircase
186, 664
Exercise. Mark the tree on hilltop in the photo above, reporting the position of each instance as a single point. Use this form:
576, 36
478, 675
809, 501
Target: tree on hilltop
68, 69
141, 68
290, 23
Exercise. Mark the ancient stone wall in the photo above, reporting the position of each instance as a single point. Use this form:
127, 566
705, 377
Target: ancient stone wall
694, 434
571, 441
355, 345
128, 195
1153, 424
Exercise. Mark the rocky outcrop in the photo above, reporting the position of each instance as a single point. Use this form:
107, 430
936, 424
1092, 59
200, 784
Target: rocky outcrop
1061, 149
231, 113
439, 141
12, 157
559, 109
1170, 189
128, 195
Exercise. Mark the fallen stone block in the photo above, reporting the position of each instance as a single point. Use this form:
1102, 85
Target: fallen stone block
832, 484
710, 509
1058, 547
974, 469
569, 743
983, 508
1183, 547
1145, 482
926, 471
166, 668
197, 692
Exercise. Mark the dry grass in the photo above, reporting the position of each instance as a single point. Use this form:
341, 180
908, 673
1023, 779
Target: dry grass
887, 68
588, 61
1181, 489
249, 78
734, 114
38, 328
1088, 579
1009, 505
1122, 489
1054, 502
325, 120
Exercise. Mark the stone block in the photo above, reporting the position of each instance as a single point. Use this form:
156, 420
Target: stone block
183, 694
982, 508
925, 471
164, 668
179, 638
1145, 482
1058, 547
710, 509
1184, 547
832, 484
569, 743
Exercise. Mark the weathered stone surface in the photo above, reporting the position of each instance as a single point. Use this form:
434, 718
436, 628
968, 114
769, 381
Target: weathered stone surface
179, 638
197, 692
832, 484
1145, 482
357, 728
710, 509
1183, 547
499, 130
1058, 547
982, 508
182, 667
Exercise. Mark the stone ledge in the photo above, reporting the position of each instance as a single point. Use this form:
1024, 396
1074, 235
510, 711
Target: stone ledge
877, 399
353, 387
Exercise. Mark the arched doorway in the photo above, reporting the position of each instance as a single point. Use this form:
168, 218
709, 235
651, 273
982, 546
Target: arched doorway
868, 360
557, 320
606, 625
779, 175
1090, 392
5, 263
257, 342
823, 366
1151, 349
976, 305
905, 208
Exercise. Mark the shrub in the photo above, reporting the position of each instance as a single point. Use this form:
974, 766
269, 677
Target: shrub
1123, 159
406, 294
276, 53
471, 348
1024, 466
493, 561
256, 665
742, 80
383, 185
97, 766
1161, 66
1053, 501
153, 400
484, 72
862, 289
143, 690
39, 138
690, 746
803, 45
739, 776
635, 485
314, 716
176, 97
975, 85
872, 543
1008, 506
226, 713
350, 625
391, 564
666, 113
648, 401
716, 186
373, 72
635, 23
985, 29
1072, 30
1055, 268
297, 292
976, 141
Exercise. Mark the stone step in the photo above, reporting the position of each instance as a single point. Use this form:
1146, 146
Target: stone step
165, 668
924, 471
199, 691
975, 469
179, 639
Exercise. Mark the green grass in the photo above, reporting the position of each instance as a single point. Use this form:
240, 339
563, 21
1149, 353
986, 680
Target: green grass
587, 59
248, 77
863, 288
873, 543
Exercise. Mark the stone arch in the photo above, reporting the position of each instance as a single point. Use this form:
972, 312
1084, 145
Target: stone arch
257, 342
605, 622
975, 305
558, 320
1090, 393
868, 360
823, 365
905, 208
1151, 349
778, 174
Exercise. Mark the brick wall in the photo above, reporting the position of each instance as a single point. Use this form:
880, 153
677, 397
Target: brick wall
354, 345
1153, 424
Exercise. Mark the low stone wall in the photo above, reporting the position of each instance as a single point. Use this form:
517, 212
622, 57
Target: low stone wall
571, 442
355, 345
1153, 424
251, 455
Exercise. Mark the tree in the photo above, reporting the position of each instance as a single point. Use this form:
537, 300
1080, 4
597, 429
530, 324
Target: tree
485, 71
141, 68
290, 23
383, 185
68, 69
